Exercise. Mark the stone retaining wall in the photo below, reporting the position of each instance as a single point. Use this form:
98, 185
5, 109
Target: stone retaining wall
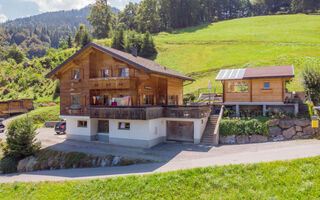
279, 130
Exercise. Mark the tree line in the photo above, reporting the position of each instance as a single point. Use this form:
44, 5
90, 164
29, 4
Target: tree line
165, 15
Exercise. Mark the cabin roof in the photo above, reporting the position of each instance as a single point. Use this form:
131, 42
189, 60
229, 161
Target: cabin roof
257, 72
139, 62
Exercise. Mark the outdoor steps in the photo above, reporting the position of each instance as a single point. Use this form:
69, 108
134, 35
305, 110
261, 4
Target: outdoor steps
207, 137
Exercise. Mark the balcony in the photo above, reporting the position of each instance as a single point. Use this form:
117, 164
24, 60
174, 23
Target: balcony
112, 83
121, 112
149, 112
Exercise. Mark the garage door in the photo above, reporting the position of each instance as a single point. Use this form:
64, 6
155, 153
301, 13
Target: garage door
180, 131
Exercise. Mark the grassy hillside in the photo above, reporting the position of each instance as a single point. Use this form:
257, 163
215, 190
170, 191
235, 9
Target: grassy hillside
248, 42
298, 179
197, 51
27, 80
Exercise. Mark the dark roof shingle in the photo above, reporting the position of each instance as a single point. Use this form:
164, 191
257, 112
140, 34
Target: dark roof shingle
139, 62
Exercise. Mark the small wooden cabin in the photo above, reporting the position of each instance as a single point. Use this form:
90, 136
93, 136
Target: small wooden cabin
15, 106
262, 86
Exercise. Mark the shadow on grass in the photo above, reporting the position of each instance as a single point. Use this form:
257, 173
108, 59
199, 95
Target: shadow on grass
191, 29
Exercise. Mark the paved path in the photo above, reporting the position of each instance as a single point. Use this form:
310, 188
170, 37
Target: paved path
190, 156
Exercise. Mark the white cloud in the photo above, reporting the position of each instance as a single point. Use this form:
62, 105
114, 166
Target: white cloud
55, 5
3, 18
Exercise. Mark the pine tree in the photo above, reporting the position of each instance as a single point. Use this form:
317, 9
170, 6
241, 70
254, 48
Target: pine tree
118, 40
21, 139
70, 43
86, 39
79, 35
148, 47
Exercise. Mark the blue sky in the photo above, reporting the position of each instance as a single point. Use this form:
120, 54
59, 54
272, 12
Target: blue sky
12, 9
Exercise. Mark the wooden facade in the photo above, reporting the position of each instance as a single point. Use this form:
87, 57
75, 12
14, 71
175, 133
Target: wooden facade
256, 92
93, 78
15, 106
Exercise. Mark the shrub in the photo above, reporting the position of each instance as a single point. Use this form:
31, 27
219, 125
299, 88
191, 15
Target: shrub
244, 127
311, 82
21, 141
8, 165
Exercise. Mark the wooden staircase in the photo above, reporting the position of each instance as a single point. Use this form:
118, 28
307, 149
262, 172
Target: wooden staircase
208, 135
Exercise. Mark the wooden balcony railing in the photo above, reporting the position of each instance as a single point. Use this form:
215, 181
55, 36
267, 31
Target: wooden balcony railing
147, 113
194, 112
112, 83
121, 112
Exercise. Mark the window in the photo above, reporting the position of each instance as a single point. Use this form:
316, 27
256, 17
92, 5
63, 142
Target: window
76, 74
82, 124
238, 86
124, 126
76, 100
103, 126
148, 99
173, 100
124, 72
266, 85
105, 73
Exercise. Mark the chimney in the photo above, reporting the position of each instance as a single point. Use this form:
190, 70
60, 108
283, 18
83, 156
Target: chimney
134, 51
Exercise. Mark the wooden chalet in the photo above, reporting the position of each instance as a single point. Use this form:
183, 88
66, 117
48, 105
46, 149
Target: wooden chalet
102, 85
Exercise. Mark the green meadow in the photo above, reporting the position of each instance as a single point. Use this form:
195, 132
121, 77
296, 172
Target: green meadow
297, 179
203, 50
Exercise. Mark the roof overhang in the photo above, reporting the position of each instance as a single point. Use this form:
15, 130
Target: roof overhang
105, 50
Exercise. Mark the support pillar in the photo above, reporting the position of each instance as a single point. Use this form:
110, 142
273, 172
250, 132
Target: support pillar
296, 109
264, 109
237, 110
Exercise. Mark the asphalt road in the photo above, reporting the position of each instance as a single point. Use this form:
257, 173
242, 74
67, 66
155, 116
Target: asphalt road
176, 157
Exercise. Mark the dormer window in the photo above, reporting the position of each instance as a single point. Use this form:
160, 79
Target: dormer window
124, 72
76, 74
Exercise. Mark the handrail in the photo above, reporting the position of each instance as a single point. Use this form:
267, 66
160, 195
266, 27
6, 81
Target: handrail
216, 134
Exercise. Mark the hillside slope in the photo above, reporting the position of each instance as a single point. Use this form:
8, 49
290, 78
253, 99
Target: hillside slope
248, 42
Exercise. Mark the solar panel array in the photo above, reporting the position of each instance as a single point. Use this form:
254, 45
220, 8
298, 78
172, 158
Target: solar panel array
231, 74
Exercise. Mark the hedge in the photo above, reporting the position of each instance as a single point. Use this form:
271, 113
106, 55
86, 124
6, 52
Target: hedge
243, 127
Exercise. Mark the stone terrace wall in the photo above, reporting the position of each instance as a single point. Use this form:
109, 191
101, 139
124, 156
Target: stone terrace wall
280, 130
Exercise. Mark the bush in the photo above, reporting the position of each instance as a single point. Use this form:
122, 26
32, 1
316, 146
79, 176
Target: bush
21, 141
8, 165
311, 82
243, 127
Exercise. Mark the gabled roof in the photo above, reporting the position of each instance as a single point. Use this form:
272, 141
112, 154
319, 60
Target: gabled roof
269, 72
139, 62
257, 72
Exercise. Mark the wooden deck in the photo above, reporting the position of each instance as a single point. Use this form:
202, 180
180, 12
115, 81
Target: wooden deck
151, 112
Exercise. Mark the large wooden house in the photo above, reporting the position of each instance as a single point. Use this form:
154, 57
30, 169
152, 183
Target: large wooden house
124, 99
263, 87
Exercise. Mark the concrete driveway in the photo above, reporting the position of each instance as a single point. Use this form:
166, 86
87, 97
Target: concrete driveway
168, 157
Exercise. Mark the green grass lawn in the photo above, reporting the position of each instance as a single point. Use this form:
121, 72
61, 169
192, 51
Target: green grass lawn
203, 50
297, 179
42, 114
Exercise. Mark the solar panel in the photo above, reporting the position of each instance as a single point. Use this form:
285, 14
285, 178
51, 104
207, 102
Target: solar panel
231, 74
